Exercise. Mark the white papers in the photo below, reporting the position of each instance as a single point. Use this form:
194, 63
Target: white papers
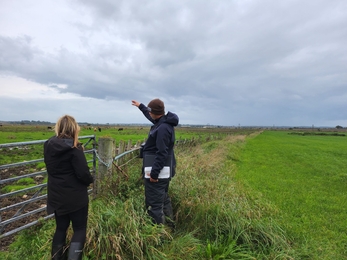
164, 173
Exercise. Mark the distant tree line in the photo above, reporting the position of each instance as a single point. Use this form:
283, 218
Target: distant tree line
26, 122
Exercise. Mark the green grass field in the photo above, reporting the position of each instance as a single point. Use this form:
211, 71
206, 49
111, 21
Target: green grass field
135, 134
264, 196
305, 179
214, 219
21, 133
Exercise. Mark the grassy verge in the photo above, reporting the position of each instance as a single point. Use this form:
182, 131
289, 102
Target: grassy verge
215, 218
304, 178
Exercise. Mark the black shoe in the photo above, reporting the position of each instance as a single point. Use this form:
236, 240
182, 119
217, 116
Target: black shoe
58, 252
75, 251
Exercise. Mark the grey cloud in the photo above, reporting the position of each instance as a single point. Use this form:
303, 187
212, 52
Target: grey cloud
274, 60
16, 52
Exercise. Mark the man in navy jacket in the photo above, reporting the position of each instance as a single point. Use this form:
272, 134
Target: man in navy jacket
160, 143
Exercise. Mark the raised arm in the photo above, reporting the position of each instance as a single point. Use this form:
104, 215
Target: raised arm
143, 109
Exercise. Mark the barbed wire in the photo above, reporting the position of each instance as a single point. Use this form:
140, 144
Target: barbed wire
110, 163
128, 161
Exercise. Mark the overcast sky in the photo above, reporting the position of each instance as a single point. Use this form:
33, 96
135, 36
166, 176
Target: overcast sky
225, 62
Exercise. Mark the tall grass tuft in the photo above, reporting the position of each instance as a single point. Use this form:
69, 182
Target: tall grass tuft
212, 204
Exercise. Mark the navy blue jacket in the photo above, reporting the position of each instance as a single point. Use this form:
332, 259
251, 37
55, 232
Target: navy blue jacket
161, 140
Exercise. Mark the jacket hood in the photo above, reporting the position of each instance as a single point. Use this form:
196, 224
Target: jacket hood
171, 118
56, 146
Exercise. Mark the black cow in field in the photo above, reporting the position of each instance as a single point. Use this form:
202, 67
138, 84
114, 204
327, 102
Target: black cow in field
99, 128
120, 129
49, 128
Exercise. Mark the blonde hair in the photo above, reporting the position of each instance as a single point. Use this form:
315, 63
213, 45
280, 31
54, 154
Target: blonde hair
67, 127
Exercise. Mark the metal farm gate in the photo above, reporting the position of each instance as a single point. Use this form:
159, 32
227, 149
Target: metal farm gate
22, 208
18, 210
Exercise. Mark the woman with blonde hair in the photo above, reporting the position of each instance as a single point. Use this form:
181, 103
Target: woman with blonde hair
67, 188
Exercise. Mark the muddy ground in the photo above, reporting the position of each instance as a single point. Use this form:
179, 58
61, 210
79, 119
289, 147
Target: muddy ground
9, 173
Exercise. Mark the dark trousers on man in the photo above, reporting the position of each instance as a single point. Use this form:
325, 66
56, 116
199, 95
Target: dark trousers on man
158, 202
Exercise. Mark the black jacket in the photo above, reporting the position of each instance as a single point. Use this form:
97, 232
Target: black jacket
161, 140
68, 176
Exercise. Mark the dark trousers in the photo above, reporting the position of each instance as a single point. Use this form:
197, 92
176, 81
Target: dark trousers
79, 225
158, 202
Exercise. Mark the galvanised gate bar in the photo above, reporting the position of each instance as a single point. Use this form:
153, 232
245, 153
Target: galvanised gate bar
17, 209
104, 156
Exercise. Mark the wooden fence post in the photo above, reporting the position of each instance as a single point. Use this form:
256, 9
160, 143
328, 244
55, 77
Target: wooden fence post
106, 151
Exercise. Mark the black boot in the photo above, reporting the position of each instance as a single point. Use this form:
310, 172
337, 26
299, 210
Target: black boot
58, 252
75, 251
168, 212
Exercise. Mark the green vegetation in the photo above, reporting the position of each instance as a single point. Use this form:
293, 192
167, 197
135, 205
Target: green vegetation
215, 220
26, 181
12, 188
268, 195
19, 185
22, 133
304, 178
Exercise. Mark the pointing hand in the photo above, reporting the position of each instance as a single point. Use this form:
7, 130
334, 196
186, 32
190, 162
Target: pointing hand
135, 103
